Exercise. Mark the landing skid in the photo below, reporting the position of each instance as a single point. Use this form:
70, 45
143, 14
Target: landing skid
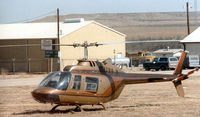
78, 108
104, 108
54, 108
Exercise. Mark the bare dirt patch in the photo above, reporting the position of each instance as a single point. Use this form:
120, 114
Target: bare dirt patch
21, 75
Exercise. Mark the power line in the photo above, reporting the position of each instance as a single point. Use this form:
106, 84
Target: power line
195, 5
36, 17
92, 44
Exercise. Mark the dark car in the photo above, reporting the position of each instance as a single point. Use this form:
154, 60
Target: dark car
162, 63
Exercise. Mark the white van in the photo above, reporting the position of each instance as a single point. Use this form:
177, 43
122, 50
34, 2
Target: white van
173, 61
194, 61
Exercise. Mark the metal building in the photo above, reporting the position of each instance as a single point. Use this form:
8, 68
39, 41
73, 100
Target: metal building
167, 52
192, 42
32, 58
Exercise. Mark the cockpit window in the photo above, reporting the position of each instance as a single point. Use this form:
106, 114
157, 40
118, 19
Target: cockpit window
92, 84
77, 82
59, 80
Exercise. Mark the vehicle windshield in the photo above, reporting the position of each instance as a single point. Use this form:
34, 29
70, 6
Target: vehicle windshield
193, 58
163, 59
148, 54
173, 59
58, 80
155, 60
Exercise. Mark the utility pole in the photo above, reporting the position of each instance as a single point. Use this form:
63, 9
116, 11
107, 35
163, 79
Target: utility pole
58, 29
58, 36
188, 20
196, 11
188, 23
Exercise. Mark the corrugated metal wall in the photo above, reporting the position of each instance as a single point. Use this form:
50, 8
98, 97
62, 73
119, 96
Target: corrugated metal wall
23, 59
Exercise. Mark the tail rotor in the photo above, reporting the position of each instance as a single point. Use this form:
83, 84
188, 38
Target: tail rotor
178, 84
178, 71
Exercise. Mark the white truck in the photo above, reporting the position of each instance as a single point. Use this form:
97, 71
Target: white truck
194, 61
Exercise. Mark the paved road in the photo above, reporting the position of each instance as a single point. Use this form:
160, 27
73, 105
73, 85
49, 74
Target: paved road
37, 80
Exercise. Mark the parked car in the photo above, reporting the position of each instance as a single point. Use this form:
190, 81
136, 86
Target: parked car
162, 63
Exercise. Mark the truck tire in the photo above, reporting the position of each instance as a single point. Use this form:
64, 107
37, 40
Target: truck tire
147, 68
163, 68
157, 69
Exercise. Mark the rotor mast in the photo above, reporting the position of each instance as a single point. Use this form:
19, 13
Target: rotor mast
85, 45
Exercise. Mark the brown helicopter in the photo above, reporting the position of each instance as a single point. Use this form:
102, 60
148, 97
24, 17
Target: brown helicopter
95, 83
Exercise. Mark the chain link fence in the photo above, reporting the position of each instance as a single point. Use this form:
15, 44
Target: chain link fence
28, 65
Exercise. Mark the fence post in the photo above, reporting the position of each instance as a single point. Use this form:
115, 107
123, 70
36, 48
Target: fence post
48, 65
29, 65
13, 64
51, 64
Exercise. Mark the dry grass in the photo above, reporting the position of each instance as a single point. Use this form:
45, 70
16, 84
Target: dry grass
141, 100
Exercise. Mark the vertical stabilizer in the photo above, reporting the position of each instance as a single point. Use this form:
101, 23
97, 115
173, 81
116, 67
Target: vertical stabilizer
179, 66
179, 88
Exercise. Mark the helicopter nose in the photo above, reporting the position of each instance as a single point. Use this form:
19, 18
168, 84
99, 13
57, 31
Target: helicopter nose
45, 97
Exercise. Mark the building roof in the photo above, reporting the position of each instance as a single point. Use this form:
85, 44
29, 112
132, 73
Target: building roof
42, 30
27, 30
193, 37
167, 51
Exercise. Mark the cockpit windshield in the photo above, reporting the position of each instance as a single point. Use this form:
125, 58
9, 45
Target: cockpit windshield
59, 80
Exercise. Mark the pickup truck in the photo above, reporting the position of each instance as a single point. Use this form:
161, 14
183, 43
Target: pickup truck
191, 61
162, 63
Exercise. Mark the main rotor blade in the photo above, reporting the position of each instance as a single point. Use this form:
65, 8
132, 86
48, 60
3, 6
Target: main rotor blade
75, 45
93, 44
145, 41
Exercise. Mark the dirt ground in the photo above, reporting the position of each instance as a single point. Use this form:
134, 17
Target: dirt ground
140, 100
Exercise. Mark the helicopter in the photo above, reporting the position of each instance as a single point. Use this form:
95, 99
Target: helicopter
95, 83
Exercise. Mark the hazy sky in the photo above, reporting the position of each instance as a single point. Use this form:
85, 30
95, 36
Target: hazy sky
12, 11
